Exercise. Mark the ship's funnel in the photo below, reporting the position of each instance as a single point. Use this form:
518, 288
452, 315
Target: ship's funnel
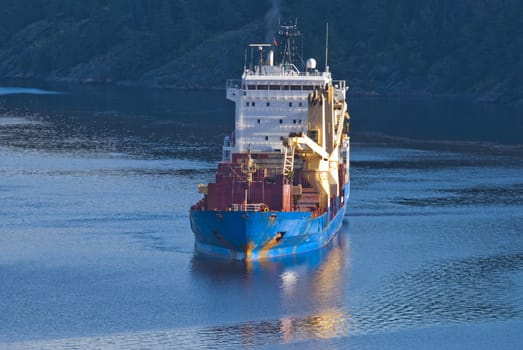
270, 58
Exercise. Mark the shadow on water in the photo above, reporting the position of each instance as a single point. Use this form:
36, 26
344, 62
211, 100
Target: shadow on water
138, 122
437, 119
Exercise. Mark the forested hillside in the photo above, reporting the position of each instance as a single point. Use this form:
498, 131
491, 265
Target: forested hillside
452, 47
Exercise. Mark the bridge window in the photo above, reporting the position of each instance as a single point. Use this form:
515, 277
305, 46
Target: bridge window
274, 87
295, 87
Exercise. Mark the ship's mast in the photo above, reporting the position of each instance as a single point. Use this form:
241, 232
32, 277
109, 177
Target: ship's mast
288, 34
326, 47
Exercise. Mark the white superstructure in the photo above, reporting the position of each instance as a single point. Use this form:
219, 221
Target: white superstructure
272, 100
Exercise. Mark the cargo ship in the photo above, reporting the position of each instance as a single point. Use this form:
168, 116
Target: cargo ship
283, 184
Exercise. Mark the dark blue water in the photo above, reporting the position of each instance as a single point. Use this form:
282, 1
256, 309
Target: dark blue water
96, 249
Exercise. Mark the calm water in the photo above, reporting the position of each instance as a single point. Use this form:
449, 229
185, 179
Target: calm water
96, 249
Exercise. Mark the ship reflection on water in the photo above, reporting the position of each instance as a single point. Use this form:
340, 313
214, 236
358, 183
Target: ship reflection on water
310, 287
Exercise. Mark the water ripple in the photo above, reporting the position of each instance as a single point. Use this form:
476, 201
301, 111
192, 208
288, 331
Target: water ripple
475, 291
458, 291
505, 195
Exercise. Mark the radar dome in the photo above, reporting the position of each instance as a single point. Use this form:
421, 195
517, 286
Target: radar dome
311, 63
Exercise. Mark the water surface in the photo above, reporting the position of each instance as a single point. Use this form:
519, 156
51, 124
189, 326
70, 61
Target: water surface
96, 249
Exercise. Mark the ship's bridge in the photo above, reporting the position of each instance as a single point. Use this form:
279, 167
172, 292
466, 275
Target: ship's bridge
271, 103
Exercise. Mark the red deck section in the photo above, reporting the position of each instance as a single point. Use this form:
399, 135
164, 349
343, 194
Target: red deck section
231, 188
275, 191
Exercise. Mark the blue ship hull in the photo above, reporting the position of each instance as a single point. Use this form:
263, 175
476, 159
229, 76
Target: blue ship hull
244, 235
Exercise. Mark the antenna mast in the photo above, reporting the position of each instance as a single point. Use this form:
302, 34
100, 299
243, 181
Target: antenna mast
245, 61
327, 47
288, 33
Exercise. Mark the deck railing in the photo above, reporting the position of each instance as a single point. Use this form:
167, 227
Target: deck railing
249, 207
237, 84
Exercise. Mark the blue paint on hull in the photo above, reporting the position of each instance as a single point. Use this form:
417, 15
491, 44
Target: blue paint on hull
257, 235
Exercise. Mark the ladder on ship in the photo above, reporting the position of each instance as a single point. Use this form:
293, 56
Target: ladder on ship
288, 161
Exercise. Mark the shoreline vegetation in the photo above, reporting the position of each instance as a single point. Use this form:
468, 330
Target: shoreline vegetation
469, 49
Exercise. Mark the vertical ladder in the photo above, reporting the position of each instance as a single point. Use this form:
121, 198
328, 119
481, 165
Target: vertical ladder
288, 161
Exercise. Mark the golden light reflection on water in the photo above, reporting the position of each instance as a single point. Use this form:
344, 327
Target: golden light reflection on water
328, 282
308, 290
328, 324
325, 290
